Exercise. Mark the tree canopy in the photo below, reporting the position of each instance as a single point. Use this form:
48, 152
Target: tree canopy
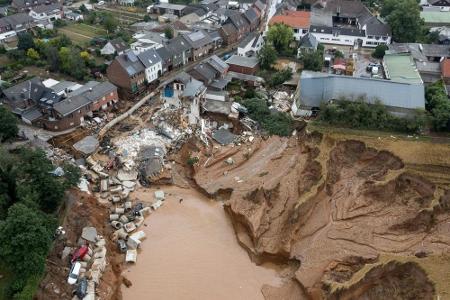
404, 18
267, 56
438, 104
8, 125
280, 36
25, 41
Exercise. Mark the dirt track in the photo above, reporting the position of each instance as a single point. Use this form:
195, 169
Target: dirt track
336, 207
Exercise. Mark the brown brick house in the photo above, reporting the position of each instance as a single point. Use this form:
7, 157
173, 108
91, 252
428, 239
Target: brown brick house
128, 73
229, 33
201, 43
58, 110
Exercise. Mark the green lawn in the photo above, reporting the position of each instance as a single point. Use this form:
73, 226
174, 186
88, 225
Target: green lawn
81, 33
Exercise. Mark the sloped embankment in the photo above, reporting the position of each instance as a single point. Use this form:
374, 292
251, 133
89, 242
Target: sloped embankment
334, 208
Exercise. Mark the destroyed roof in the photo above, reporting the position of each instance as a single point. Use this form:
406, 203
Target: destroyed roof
119, 45
215, 106
87, 145
192, 86
130, 62
149, 58
223, 136
198, 39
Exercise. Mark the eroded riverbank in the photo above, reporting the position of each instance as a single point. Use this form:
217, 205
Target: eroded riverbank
191, 252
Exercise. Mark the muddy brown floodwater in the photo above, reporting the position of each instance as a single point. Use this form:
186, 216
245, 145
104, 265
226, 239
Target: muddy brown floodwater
191, 252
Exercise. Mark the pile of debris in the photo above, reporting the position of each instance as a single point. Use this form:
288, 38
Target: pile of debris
88, 263
282, 101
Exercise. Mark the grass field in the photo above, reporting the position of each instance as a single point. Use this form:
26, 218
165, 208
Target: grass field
81, 33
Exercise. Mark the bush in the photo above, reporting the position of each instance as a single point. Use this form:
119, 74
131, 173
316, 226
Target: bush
8, 125
379, 52
275, 123
359, 114
192, 161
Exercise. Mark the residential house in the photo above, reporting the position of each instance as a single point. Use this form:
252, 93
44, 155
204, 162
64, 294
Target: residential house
153, 64
252, 15
445, 74
115, 46
41, 106
212, 72
10, 26
180, 51
166, 59
347, 23
73, 16
203, 72
191, 18
229, 33
242, 64
240, 23
308, 43
147, 40
444, 34
216, 38
260, 6
400, 97
250, 45
45, 14
299, 21
185, 92
200, 42
168, 8
440, 4
26, 5
126, 2
128, 73
176, 27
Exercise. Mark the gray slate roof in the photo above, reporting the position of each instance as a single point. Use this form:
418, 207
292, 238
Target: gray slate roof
131, 63
149, 58
336, 30
119, 44
249, 62
251, 15
198, 39
309, 41
217, 63
248, 39
17, 19
46, 8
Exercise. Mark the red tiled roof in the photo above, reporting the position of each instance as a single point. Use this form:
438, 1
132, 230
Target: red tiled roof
294, 19
445, 68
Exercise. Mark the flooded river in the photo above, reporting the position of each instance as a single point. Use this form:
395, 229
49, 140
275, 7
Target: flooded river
191, 252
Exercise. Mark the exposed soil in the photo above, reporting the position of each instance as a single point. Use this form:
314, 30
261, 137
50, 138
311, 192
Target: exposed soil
335, 207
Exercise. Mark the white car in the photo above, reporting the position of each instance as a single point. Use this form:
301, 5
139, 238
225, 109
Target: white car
74, 272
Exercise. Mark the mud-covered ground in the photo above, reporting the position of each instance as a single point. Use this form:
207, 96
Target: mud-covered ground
338, 208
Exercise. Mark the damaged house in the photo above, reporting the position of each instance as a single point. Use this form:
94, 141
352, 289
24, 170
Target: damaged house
54, 110
184, 91
212, 72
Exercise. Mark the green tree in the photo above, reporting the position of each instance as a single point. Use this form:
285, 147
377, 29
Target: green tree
8, 125
168, 32
312, 60
404, 18
25, 41
379, 51
438, 104
147, 18
33, 54
280, 36
338, 54
267, 56
83, 9
25, 239
110, 23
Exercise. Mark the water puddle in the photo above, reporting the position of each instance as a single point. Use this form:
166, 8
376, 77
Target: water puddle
191, 252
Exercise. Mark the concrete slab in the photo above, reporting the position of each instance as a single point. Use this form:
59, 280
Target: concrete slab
87, 145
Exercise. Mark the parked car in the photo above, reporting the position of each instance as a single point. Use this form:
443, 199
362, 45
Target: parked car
74, 273
372, 65
80, 253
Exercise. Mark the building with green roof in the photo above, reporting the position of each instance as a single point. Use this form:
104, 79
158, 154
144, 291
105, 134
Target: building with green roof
401, 68
435, 18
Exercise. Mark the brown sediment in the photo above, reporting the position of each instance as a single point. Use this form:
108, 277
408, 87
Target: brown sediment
333, 206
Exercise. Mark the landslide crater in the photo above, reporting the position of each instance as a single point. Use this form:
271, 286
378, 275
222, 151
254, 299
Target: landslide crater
332, 206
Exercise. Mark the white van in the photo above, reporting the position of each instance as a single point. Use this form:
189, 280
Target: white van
74, 272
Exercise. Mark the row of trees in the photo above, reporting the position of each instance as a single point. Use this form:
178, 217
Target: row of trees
29, 196
57, 55
361, 115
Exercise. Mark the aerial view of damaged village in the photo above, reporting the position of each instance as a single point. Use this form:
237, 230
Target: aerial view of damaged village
224, 149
